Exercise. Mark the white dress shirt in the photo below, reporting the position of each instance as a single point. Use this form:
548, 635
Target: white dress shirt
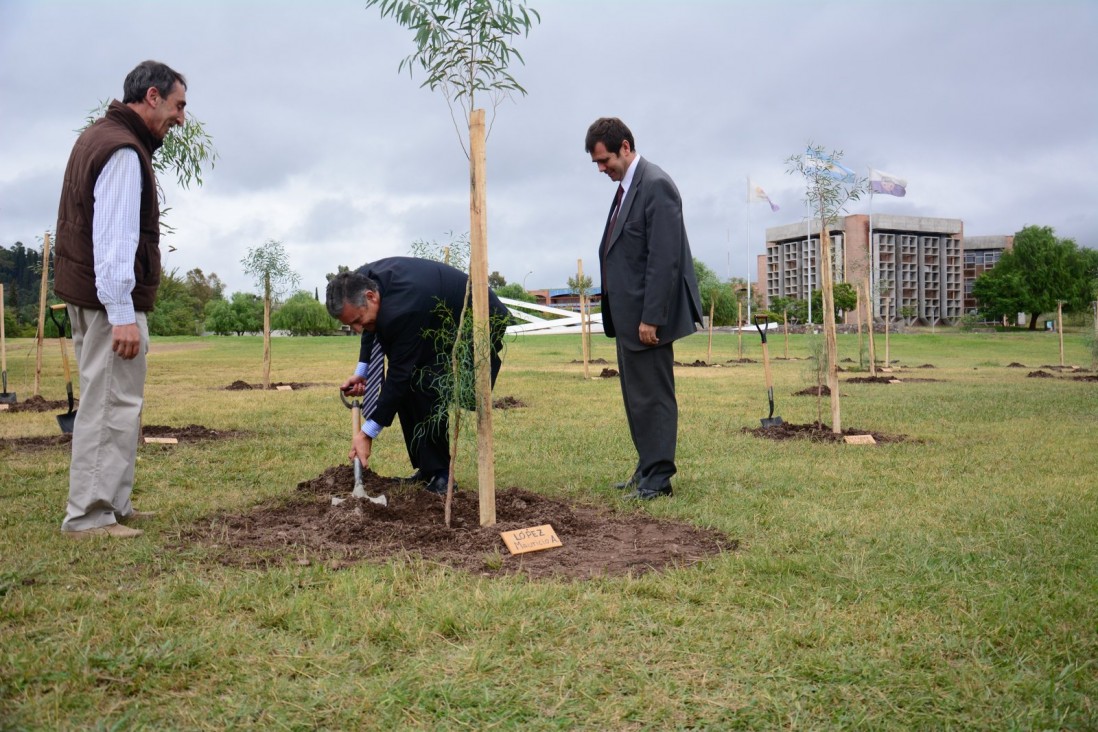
116, 224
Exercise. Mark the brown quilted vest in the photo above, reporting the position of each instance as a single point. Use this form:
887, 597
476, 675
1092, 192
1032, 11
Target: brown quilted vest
74, 260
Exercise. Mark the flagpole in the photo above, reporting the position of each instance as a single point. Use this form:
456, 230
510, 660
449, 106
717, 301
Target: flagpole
872, 264
748, 249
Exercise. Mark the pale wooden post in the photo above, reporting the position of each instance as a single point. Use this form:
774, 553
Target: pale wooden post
478, 272
739, 325
712, 307
785, 327
869, 321
267, 330
583, 319
1060, 328
888, 359
42, 312
858, 319
828, 288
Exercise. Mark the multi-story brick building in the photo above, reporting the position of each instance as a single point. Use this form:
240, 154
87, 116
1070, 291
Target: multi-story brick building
915, 265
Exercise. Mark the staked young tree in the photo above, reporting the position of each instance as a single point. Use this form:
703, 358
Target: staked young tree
270, 266
464, 47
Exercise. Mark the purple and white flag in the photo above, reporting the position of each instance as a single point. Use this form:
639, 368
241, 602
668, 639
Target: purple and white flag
756, 193
882, 182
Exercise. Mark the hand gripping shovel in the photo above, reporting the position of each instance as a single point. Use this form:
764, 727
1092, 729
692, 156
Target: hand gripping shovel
8, 397
770, 421
356, 425
68, 420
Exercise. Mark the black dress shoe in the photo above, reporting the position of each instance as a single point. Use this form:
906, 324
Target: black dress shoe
417, 477
641, 494
631, 483
438, 485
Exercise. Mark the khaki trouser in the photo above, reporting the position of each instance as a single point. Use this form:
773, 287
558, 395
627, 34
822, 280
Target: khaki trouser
108, 422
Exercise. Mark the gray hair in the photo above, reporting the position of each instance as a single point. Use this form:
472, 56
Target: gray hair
347, 288
146, 75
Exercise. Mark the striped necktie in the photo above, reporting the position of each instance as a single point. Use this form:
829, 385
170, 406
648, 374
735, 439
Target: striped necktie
375, 373
613, 219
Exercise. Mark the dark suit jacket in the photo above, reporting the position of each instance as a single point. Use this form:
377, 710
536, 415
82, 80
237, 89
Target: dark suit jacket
647, 270
409, 323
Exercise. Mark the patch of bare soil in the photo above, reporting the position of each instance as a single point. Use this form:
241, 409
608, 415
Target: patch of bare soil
824, 390
607, 373
35, 443
1038, 374
507, 402
741, 360
307, 528
926, 366
245, 386
817, 432
189, 433
597, 361
870, 380
39, 404
698, 363
1091, 377
1016, 365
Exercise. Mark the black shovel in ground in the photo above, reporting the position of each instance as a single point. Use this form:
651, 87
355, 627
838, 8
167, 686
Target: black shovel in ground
7, 397
68, 420
770, 421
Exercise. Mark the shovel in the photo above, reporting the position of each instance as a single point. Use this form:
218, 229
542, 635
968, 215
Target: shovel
770, 421
68, 420
356, 425
8, 397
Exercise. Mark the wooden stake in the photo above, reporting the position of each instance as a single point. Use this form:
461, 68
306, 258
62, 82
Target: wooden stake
739, 325
267, 331
858, 319
887, 304
42, 312
1060, 328
583, 319
482, 346
785, 327
712, 307
869, 323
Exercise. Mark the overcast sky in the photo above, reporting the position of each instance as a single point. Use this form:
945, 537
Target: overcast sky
988, 109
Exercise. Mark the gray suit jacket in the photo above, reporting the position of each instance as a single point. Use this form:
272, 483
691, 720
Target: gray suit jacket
647, 269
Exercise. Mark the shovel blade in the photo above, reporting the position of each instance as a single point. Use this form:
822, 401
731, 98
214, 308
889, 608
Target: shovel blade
8, 397
768, 422
66, 422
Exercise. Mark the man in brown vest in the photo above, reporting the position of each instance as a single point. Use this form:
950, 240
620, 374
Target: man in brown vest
107, 270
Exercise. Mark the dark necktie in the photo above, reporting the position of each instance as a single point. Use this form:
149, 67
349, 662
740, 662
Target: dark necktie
375, 372
613, 218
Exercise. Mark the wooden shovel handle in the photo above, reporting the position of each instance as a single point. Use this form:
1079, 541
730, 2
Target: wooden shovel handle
61, 341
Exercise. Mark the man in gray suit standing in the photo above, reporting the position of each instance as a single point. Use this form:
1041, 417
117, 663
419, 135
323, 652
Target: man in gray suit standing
649, 298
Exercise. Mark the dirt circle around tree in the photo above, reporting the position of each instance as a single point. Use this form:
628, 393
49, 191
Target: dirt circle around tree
191, 433
306, 528
240, 385
818, 432
41, 404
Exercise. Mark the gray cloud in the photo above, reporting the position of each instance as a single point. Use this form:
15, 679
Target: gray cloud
987, 108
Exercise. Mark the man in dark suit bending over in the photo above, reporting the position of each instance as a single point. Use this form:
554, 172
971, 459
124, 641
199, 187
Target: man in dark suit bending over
649, 298
410, 308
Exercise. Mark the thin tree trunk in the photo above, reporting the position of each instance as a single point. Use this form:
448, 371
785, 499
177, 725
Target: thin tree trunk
267, 331
829, 323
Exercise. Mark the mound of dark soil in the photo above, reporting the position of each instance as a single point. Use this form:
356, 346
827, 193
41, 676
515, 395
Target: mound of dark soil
507, 402
35, 443
699, 363
607, 373
1016, 365
245, 386
817, 432
926, 366
870, 380
596, 361
1038, 374
307, 528
189, 433
1092, 377
741, 360
39, 404
824, 390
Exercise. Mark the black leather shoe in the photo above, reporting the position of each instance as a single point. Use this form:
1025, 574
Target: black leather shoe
438, 485
417, 477
629, 484
647, 495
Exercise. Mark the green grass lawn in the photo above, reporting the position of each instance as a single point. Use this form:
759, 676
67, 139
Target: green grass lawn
949, 581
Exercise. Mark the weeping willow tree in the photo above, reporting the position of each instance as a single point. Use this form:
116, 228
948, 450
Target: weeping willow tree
464, 48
